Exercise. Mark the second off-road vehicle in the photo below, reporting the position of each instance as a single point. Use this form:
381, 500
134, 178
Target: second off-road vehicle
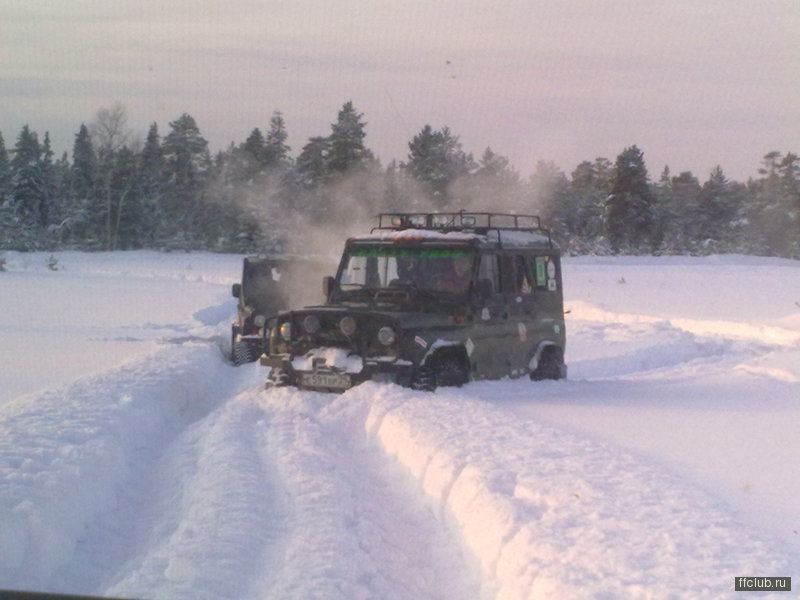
428, 300
270, 284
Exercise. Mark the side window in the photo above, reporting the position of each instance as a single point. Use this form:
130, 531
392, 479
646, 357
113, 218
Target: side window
356, 271
489, 272
522, 277
507, 274
544, 271
369, 271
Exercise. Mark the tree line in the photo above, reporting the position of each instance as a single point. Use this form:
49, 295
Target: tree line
170, 192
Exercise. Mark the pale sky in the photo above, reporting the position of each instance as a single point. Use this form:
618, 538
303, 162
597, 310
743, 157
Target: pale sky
692, 83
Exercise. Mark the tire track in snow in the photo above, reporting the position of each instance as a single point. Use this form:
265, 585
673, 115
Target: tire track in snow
76, 457
357, 525
219, 517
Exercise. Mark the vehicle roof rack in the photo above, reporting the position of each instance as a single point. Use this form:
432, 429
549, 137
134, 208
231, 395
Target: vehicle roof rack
473, 222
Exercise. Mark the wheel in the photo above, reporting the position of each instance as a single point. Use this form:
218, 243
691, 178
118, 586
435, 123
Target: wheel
240, 353
450, 372
423, 380
440, 371
551, 364
243, 351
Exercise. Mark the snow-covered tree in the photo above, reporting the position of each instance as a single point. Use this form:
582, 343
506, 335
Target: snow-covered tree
152, 178
590, 185
28, 193
346, 150
677, 227
774, 212
630, 216
82, 224
187, 164
5, 170
494, 185
275, 146
7, 220
551, 200
436, 160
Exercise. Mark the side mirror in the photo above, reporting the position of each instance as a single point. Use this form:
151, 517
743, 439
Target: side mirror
236, 290
328, 285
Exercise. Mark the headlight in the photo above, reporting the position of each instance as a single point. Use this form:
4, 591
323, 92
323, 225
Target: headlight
260, 320
348, 326
386, 336
311, 324
286, 331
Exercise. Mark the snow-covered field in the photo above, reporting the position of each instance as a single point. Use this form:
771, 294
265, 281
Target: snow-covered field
134, 461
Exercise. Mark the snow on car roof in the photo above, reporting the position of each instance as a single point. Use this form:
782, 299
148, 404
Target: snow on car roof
418, 234
503, 237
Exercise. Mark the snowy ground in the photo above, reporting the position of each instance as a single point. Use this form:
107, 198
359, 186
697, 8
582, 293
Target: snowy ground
134, 461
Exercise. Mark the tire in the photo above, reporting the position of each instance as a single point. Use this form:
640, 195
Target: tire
241, 353
423, 380
451, 373
441, 371
551, 364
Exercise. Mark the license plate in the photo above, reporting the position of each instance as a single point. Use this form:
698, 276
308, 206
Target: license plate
326, 380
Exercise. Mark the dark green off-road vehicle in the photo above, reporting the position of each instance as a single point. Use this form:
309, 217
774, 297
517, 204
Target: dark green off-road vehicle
269, 285
428, 300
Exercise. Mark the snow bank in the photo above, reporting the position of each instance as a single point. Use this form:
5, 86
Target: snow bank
781, 336
551, 515
67, 453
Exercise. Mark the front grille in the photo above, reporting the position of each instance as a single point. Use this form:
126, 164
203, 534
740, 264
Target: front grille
364, 341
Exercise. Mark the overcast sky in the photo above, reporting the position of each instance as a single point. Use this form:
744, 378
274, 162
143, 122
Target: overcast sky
692, 83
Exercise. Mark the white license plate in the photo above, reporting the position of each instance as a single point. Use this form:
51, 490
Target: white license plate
326, 380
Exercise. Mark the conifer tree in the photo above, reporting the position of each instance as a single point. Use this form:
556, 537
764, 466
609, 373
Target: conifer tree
630, 208
275, 146
187, 163
436, 160
790, 180
28, 193
126, 210
151, 181
590, 186
346, 142
718, 213
7, 223
678, 228
549, 192
773, 213
311, 165
60, 208
493, 185
83, 222
253, 156
5, 170
49, 185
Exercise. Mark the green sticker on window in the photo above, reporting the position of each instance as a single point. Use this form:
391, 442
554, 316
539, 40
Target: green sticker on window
399, 252
541, 271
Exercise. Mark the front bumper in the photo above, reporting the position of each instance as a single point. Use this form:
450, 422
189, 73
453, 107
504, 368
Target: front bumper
317, 374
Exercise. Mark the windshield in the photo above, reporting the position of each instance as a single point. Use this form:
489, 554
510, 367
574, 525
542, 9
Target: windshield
375, 268
259, 285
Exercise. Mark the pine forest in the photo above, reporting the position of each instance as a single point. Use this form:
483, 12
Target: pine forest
168, 192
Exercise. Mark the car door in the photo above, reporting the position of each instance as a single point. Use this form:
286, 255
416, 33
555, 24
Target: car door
486, 344
522, 307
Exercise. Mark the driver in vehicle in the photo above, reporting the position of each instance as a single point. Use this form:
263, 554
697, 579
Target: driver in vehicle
456, 278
